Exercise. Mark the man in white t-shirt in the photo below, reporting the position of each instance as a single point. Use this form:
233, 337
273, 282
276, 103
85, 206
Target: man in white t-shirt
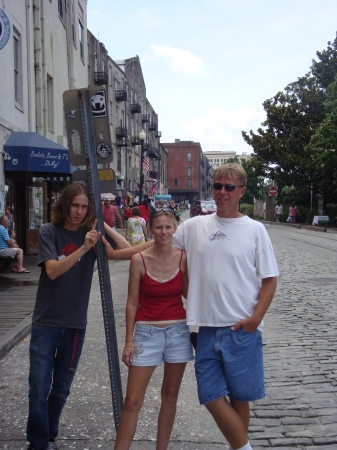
227, 253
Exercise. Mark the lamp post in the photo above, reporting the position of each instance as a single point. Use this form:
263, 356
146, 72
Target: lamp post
142, 136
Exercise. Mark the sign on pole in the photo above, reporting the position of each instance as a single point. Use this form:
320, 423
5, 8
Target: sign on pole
89, 133
273, 191
101, 126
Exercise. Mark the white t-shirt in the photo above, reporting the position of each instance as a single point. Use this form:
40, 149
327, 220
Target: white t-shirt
225, 257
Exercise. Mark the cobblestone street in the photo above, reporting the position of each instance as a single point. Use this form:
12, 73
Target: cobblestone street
300, 341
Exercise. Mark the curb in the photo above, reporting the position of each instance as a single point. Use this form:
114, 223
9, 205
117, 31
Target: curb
14, 336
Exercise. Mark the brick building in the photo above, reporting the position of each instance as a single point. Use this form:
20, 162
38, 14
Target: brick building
186, 171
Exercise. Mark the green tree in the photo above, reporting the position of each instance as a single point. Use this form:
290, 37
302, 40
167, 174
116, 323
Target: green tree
293, 146
254, 183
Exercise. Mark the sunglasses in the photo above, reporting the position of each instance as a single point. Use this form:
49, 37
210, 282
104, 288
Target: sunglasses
162, 210
228, 187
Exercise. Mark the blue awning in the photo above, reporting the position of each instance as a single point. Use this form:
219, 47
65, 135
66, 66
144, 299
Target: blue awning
31, 152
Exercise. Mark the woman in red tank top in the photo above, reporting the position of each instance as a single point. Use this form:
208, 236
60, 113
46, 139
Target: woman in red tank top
156, 329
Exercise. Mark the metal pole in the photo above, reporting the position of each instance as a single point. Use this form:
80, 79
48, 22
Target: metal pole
102, 260
141, 171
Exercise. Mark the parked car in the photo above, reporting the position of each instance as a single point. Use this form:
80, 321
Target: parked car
202, 208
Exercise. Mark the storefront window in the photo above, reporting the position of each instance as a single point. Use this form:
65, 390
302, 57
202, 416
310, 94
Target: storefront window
36, 207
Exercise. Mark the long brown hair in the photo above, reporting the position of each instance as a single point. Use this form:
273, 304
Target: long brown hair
62, 207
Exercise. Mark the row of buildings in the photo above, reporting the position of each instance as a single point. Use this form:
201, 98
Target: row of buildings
45, 50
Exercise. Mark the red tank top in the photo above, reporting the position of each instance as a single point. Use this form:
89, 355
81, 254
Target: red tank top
161, 301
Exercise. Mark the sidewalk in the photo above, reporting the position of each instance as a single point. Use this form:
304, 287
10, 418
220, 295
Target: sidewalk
18, 291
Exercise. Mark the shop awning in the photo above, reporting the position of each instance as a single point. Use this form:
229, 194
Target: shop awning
31, 152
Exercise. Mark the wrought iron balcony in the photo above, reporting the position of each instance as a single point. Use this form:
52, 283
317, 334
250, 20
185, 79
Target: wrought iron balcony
153, 126
101, 78
145, 118
120, 142
136, 108
154, 153
135, 140
153, 174
121, 95
146, 146
158, 134
121, 132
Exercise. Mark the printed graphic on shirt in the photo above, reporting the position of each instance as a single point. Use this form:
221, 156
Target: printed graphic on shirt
68, 250
219, 235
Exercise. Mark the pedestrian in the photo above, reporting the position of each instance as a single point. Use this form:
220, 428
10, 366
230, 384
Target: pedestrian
226, 254
127, 213
110, 212
279, 211
10, 249
292, 213
156, 329
136, 232
118, 200
145, 212
66, 257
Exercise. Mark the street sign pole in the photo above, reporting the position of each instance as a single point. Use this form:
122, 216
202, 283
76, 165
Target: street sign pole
102, 260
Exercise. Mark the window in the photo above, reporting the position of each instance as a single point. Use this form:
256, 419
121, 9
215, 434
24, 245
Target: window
72, 17
17, 69
189, 182
80, 37
50, 101
119, 164
189, 171
176, 181
110, 75
189, 157
61, 8
110, 112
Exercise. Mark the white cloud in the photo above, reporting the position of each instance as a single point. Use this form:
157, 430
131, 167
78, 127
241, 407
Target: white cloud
180, 60
220, 129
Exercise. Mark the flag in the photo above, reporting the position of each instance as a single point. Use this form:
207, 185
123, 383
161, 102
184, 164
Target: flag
146, 163
153, 188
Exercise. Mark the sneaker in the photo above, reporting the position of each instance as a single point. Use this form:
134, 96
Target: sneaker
52, 446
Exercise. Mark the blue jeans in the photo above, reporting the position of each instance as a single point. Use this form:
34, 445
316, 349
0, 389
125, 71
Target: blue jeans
229, 363
54, 356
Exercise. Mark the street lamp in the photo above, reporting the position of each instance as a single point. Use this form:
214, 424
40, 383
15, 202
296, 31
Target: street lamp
142, 137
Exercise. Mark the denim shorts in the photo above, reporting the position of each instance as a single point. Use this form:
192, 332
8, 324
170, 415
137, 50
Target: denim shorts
170, 344
229, 363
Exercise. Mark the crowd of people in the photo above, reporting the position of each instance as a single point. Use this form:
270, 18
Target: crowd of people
223, 264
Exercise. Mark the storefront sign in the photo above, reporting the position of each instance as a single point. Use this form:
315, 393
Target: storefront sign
5, 29
34, 153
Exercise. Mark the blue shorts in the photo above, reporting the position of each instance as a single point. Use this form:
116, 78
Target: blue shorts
170, 344
229, 363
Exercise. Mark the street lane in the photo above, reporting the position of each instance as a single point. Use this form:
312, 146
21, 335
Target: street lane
317, 242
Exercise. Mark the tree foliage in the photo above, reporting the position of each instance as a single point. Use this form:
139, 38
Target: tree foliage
295, 144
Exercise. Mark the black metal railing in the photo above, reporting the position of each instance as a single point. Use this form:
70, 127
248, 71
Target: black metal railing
135, 140
121, 132
153, 126
145, 118
154, 153
101, 78
121, 95
136, 108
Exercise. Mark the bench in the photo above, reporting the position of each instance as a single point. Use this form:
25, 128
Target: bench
5, 262
320, 220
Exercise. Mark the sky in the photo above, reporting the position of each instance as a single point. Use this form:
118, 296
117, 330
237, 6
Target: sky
209, 65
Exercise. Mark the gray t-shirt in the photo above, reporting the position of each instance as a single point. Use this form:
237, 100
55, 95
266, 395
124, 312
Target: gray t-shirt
63, 302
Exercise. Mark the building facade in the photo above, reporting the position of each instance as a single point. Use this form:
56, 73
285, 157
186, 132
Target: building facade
216, 159
46, 53
188, 173
47, 46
